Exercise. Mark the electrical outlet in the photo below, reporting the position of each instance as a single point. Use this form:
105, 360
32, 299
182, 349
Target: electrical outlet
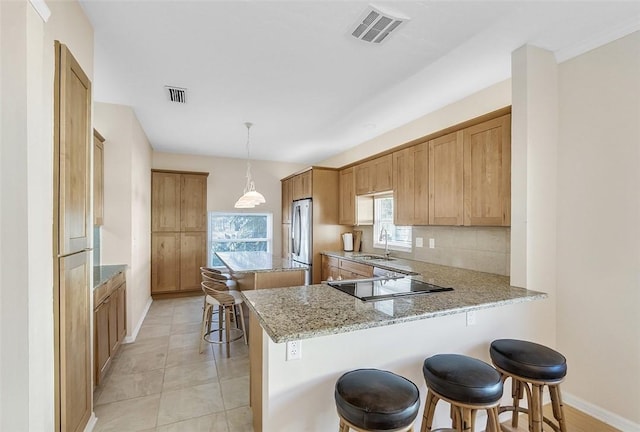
419, 242
471, 318
294, 350
432, 243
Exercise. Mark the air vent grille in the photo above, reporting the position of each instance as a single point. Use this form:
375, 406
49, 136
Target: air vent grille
375, 25
176, 94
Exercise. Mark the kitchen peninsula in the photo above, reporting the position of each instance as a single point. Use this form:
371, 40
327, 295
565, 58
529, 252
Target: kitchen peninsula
337, 333
256, 270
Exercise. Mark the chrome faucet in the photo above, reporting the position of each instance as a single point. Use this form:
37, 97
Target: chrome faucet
385, 233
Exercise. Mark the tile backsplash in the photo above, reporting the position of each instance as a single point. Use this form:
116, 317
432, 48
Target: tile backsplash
96, 245
486, 249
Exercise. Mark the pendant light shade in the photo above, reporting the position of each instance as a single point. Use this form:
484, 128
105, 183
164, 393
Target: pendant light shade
251, 197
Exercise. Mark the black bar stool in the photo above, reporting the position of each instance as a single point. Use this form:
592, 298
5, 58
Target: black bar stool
468, 384
531, 366
375, 400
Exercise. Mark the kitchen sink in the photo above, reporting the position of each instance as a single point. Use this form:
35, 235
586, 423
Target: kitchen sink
369, 257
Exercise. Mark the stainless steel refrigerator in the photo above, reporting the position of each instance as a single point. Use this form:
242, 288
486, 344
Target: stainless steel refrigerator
301, 235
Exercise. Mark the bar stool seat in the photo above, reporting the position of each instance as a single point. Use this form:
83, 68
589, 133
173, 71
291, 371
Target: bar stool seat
528, 359
531, 367
468, 384
376, 400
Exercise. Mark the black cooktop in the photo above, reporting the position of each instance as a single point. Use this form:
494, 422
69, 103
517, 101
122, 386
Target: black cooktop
386, 289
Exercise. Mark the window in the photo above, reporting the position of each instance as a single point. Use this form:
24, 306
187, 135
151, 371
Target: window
238, 232
398, 237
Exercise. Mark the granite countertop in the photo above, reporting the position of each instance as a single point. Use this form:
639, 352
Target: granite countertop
257, 262
305, 312
101, 274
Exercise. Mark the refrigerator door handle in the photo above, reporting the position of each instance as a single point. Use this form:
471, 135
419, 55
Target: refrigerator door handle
296, 230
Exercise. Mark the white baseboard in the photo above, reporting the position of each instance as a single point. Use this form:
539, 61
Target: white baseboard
601, 414
91, 423
134, 334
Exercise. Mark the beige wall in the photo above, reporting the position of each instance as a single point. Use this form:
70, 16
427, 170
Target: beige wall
126, 237
26, 182
598, 229
487, 100
226, 182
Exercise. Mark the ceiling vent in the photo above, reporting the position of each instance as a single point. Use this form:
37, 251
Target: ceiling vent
176, 94
375, 26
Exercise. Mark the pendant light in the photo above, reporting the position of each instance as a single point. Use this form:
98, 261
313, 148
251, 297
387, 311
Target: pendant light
251, 196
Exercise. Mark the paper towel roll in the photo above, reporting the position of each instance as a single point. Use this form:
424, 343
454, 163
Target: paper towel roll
347, 241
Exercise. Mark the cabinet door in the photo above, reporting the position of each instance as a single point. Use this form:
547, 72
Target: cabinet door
363, 175
287, 195
446, 180
487, 173
302, 185
165, 201
193, 255
411, 185
98, 178
122, 312
112, 303
72, 151
382, 173
101, 340
165, 262
75, 341
286, 240
193, 210
347, 197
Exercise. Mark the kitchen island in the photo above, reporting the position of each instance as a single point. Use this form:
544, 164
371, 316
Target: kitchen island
337, 332
257, 270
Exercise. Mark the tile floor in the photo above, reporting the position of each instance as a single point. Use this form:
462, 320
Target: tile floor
161, 383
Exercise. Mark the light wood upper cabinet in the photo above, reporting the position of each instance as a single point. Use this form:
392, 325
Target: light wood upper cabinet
411, 185
287, 198
193, 199
446, 180
302, 185
487, 173
72, 151
347, 197
374, 176
165, 201
98, 178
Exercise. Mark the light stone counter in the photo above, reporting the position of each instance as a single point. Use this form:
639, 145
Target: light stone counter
257, 262
305, 312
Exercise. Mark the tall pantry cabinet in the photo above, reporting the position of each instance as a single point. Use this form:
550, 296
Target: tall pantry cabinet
72, 227
178, 231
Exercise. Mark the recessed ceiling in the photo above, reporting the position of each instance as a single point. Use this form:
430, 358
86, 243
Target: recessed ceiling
293, 69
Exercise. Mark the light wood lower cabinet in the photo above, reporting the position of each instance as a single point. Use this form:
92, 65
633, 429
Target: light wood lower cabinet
109, 323
338, 268
176, 259
165, 262
193, 255
75, 342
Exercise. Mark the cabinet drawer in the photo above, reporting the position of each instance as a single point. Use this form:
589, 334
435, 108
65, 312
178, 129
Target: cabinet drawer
358, 268
101, 293
331, 261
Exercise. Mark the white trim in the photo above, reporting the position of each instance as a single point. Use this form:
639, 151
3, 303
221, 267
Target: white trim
601, 414
597, 40
41, 7
134, 334
91, 423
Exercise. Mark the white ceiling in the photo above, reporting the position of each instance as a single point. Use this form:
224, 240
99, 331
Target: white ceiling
311, 89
